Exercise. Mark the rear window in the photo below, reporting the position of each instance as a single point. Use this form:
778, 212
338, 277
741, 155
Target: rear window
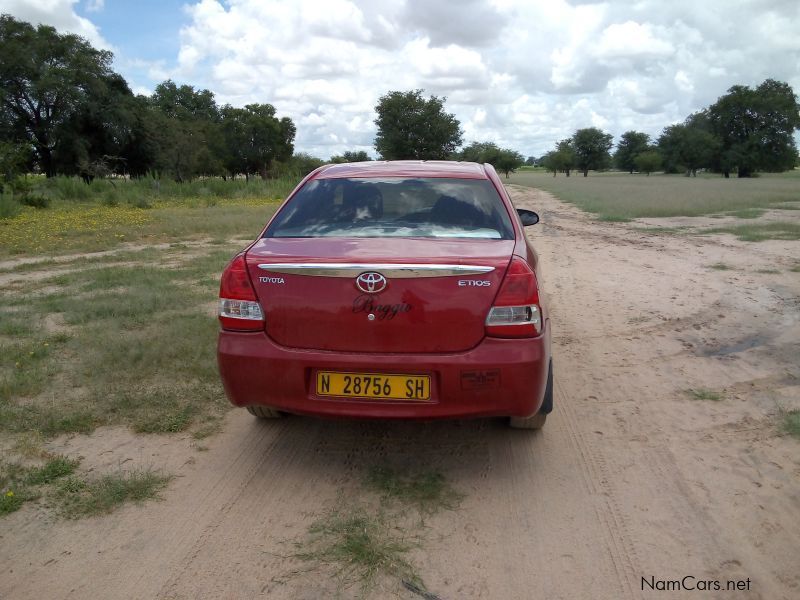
394, 207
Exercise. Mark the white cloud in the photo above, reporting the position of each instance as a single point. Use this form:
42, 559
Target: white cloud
521, 73
56, 13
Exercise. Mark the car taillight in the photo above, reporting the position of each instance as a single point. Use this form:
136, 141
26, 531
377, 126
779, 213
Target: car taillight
239, 309
516, 312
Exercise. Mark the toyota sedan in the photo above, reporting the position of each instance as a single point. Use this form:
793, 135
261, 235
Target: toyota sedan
390, 290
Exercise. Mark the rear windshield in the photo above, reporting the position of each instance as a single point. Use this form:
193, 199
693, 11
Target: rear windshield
394, 207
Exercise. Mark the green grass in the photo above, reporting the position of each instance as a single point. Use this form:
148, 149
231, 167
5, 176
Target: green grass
720, 267
364, 545
768, 271
13, 490
11, 501
781, 230
69, 227
747, 213
704, 394
426, 490
53, 469
795, 269
20, 484
123, 324
360, 548
148, 191
173, 420
78, 498
622, 196
791, 423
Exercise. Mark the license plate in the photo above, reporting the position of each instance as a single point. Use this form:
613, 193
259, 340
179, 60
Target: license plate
374, 386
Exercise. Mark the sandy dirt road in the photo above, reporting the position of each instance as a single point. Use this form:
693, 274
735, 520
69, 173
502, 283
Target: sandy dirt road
630, 479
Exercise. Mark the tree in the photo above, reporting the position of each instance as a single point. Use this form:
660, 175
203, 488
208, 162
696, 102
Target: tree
630, 145
302, 164
687, 146
189, 137
351, 156
14, 158
591, 149
561, 159
508, 161
756, 128
46, 80
648, 161
410, 127
502, 159
254, 138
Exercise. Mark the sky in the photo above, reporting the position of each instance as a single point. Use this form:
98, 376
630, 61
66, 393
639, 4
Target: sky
521, 73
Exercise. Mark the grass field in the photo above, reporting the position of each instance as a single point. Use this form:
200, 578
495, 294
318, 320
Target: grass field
618, 196
102, 216
124, 337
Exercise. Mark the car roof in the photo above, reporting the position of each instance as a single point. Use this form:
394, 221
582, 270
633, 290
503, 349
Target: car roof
404, 168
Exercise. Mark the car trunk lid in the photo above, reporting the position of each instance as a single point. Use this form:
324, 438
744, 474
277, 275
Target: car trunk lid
436, 297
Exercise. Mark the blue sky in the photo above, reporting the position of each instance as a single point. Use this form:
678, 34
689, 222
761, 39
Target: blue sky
145, 29
139, 31
521, 73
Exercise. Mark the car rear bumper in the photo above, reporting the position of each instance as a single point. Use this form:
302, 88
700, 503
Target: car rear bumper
499, 377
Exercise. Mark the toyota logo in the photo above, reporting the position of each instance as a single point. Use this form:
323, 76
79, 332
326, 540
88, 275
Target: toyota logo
371, 282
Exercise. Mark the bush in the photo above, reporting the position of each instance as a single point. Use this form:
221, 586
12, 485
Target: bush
35, 200
9, 207
139, 202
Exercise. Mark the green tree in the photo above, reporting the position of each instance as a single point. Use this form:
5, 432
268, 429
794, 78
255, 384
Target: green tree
756, 128
562, 159
502, 159
46, 81
591, 149
508, 161
648, 161
254, 138
189, 136
630, 145
351, 156
301, 164
411, 127
479, 152
687, 146
14, 159
94, 142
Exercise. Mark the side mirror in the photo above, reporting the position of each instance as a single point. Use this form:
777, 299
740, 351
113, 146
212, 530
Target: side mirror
528, 217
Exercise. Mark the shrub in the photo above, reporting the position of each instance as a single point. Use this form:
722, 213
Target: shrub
9, 207
35, 200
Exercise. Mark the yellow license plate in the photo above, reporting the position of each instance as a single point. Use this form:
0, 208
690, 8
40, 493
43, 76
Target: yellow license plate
374, 386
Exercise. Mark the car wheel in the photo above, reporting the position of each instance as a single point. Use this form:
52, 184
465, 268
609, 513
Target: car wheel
538, 420
264, 412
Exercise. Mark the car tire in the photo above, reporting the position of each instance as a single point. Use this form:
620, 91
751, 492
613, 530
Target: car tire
538, 420
264, 412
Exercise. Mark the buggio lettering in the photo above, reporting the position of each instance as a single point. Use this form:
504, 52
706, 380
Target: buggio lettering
387, 312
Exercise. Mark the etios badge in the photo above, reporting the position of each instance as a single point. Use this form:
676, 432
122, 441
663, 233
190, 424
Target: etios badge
371, 282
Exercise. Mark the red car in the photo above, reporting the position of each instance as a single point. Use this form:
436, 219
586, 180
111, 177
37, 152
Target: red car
389, 290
